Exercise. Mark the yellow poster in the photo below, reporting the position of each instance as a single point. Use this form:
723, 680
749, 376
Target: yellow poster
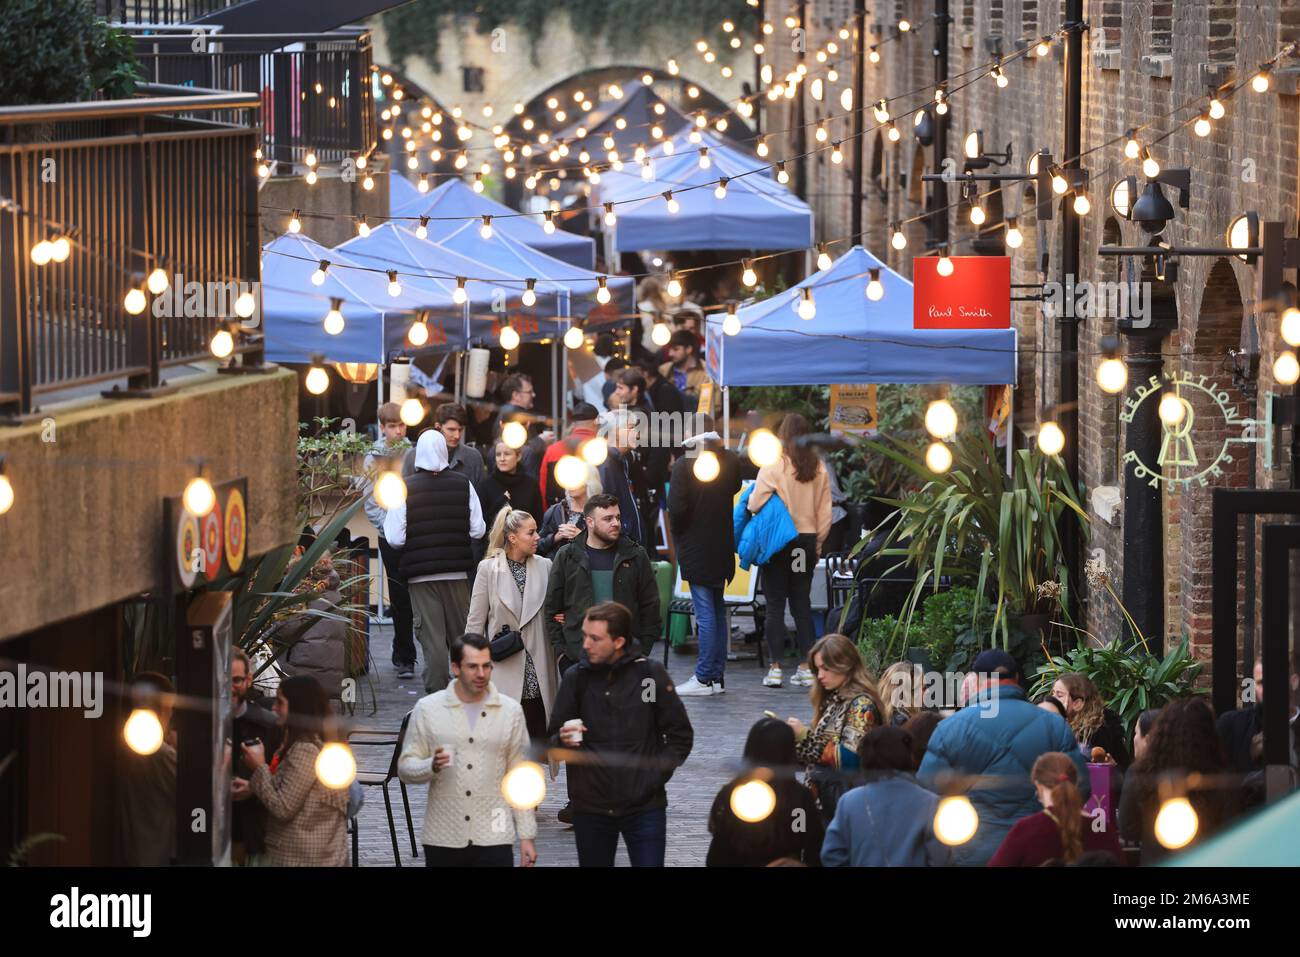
740, 590
853, 409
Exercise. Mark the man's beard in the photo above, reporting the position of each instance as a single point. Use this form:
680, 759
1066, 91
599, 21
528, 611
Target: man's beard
605, 538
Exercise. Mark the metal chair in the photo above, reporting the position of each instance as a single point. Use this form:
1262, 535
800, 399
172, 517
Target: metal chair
380, 780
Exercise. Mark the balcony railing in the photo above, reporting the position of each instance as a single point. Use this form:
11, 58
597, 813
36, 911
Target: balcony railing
133, 185
315, 88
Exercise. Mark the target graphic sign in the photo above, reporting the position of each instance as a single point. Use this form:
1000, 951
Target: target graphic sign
211, 547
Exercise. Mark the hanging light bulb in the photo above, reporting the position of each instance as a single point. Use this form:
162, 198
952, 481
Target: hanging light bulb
1217, 111
837, 157
764, 448
478, 182
731, 324
893, 132
674, 288
418, 334
660, 334
486, 229
1060, 185
941, 102
748, 276
143, 731
1014, 237
42, 252
295, 224
823, 257
245, 304
1051, 440
318, 277
782, 176
199, 496
673, 205
335, 766
310, 178
363, 227
875, 288
807, 308
1044, 46
509, 338
459, 296
390, 489
610, 218
705, 162
158, 281
368, 183
1286, 369
529, 297
1082, 205
941, 419
548, 224
394, 287
1260, 83
1112, 375
955, 820
977, 214
706, 466
999, 77
318, 380
874, 55
821, 134
1172, 408
1202, 125
602, 290
514, 434
1150, 168
134, 302
334, 318
720, 192
897, 239
422, 230
573, 338
944, 267
1176, 823
938, 458
1291, 326
753, 801
571, 472
1132, 148
222, 344
881, 111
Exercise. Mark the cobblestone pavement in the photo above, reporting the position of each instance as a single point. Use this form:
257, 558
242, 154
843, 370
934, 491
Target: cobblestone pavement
721, 723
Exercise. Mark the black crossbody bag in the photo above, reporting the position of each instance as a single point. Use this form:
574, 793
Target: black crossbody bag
507, 643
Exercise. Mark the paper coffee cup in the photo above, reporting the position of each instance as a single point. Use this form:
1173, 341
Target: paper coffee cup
451, 754
574, 724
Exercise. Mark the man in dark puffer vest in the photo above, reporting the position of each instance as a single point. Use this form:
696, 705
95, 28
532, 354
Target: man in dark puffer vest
432, 529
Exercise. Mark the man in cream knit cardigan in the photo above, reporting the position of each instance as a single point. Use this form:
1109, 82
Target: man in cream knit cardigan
463, 740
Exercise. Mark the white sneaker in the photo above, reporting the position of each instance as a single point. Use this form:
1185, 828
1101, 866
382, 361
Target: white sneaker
692, 686
774, 678
718, 686
802, 676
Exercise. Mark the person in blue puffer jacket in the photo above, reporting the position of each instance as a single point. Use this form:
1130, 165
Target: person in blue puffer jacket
759, 537
998, 736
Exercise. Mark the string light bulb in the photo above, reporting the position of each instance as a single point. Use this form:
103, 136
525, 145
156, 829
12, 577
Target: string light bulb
673, 205
1217, 110
459, 295
318, 380
1291, 326
941, 419
807, 308
245, 304
938, 458
1260, 83
764, 448
837, 156
602, 290
390, 489
1043, 48
1286, 369
335, 766
1202, 125
761, 149
1082, 205
143, 732
873, 55
823, 257
573, 338
898, 239
999, 77
782, 176
422, 230
1051, 440
1150, 166
1112, 375
955, 820
529, 297
418, 334
1015, 239
295, 223
1172, 408
222, 344
660, 334
134, 302
945, 266
548, 223
1176, 823
334, 318
478, 182
977, 214
610, 217
748, 276
318, 277
158, 281
394, 287
731, 323
881, 111
509, 338
363, 227
485, 230
42, 252
674, 288
875, 288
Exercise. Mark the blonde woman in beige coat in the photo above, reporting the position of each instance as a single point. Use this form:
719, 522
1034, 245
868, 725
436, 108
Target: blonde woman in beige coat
509, 592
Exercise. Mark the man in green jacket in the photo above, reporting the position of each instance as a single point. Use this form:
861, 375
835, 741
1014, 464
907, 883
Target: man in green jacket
600, 565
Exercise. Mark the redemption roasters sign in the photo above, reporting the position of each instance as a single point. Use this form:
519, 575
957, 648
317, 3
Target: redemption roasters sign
976, 295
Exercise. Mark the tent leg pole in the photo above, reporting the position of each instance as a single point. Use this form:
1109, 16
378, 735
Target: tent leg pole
1011, 400
555, 372
380, 619
726, 417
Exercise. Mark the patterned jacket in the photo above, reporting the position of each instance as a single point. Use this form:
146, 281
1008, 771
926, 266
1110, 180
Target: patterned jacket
306, 821
842, 724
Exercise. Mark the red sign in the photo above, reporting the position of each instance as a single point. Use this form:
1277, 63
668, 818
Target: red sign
977, 295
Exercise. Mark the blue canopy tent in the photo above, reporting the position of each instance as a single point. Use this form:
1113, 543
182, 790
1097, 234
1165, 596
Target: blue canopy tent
393, 246
757, 212
375, 323
401, 193
453, 203
577, 286
636, 109
853, 339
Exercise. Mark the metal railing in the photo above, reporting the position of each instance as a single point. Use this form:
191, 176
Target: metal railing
159, 11
132, 185
315, 88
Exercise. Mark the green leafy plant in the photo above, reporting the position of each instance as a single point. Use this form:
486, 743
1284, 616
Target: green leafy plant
57, 51
1128, 675
975, 523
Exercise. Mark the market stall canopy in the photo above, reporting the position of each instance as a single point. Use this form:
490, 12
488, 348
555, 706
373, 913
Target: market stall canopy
757, 212
852, 339
375, 323
637, 110
401, 193
493, 294
453, 203
1269, 838
504, 253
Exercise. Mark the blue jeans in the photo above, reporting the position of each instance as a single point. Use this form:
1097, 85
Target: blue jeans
711, 621
645, 833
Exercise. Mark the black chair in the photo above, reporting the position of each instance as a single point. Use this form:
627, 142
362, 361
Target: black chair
841, 571
380, 780
684, 606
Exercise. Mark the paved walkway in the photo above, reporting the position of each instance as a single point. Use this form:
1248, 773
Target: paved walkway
721, 724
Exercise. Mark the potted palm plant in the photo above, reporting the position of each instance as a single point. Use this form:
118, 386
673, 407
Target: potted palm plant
980, 525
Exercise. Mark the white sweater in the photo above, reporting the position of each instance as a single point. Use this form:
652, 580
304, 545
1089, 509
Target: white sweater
465, 804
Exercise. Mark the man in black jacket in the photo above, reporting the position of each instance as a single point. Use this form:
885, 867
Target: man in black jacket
600, 565
623, 731
250, 720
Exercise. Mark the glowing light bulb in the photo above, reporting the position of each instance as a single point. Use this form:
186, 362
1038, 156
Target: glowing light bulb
673, 205
594, 451
955, 820
761, 148
573, 338
941, 419
944, 266
706, 466
898, 240
753, 801
524, 786
1286, 369
1051, 440
199, 497
782, 176
1176, 823
938, 458
807, 308
1150, 167
509, 338
422, 231
310, 178
721, 191
418, 334
411, 412
610, 217
674, 288
334, 319
1082, 205
823, 257
571, 472
1172, 408
875, 288
1015, 239
977, 215
6, 494
459, 296
317, 381
1043, 48
363, 228
1291, 326
1260, 83
837, 156
1112, 376
1217, 111
134, 302
602, 291
764, 447
1202, 126
660, 334
1060, 185
390, 490
42, 252
157, 281
222, 344
143, 731
514, 434
335, 766
731, 324
295, 224
548, 225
